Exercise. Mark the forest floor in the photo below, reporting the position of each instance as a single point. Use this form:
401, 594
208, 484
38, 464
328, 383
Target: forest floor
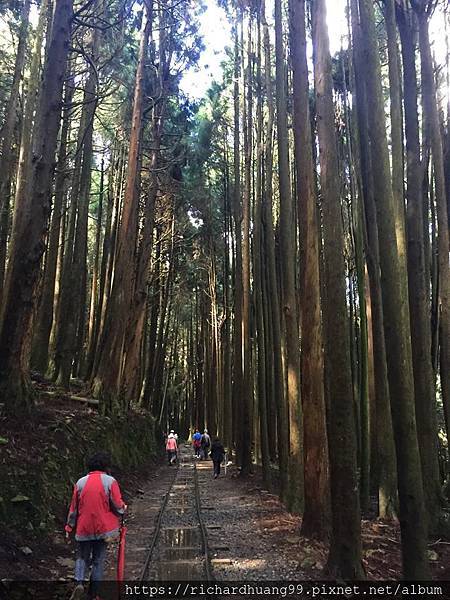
251, 535
256, 538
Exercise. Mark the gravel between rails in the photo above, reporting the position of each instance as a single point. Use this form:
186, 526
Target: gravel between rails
241, 548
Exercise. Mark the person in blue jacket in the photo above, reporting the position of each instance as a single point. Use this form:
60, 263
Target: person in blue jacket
197, 442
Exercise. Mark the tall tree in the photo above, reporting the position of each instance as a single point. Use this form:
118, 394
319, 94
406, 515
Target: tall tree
27, 244
106, 383
7, 137
258, 271
247, 118
345, 552
384, 467
73, 294
425, 394
396, 319
282, 432
423, 9
295, 497
238, 365
45, 317
316, 518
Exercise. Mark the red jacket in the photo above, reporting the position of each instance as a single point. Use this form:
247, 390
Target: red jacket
171, 444
95, 508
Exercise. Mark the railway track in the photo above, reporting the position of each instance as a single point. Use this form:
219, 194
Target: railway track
178, 548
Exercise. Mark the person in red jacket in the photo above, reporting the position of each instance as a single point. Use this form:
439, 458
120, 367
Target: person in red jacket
171, 448
94, 514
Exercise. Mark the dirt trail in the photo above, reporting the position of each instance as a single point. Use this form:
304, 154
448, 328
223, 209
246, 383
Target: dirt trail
250, 534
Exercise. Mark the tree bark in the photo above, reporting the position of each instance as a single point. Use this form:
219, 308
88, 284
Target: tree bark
7, 138
386, 479
94, 295
28, 238
238, 365
295, 498
46, 317
345, 558
258, 273
74, 295
419, 305
114, 169
396, 320
397, 170
316, 517
226, 330
106, 384
273, 292
431, 115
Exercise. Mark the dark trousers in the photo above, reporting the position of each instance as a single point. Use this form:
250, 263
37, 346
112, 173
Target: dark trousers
217, 467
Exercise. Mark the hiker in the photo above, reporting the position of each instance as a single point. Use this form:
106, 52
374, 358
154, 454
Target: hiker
205, 444
217, 455
94, 515
171, 448
197, 442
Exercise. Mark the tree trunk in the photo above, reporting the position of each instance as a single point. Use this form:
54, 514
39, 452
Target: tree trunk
316, 517
386, 471
106, 249
226, 331
295, 498
109, 253
258, 273
106, 384
136, 319
419, 306
246, 399
7, 138
154, 309
45, 320
357, 235
345, 558
65, 300
432, 123
396, 129
164, 315
135, 329
273, 293
74, 302
238, 366
396, 320
94, 300
28, 239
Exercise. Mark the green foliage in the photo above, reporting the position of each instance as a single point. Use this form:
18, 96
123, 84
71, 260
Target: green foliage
63, 448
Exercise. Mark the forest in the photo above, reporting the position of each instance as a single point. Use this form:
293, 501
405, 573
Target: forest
270, 261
